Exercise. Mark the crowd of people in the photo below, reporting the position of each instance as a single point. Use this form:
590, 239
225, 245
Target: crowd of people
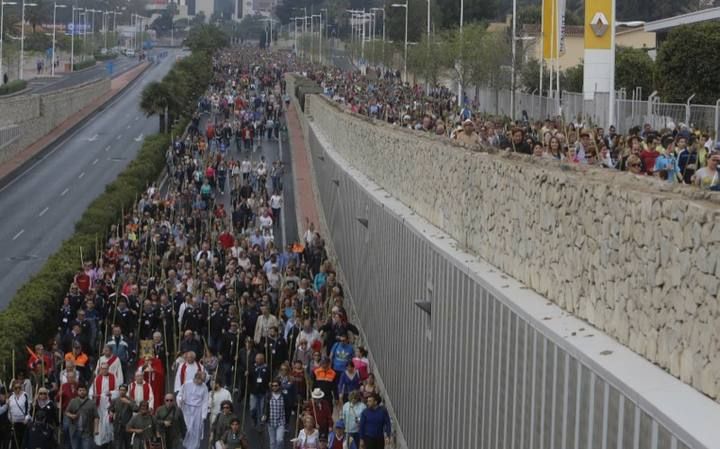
676, 153
193, 321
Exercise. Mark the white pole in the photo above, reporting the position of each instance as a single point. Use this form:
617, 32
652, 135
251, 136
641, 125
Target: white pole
72, 42
22, 41
2, 19
462, 12
52, 62
611, 111
512, 66
406, 42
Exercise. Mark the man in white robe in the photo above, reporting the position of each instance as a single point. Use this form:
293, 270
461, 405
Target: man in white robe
186, 371
113, 363
140, 390
194, 401
103, 390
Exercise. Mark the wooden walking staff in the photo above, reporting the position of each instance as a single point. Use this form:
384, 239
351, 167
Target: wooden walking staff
245, 394
235, 363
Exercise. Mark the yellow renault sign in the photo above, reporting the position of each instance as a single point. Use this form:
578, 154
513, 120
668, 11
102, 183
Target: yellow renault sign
598, 24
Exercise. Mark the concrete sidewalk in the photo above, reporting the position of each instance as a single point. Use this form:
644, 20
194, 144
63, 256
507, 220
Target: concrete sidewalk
305, 202
117, 85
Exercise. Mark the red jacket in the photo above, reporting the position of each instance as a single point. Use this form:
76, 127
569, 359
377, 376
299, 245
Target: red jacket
67, 393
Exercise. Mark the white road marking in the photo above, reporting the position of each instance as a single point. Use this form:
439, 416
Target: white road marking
43, 212
64, 192
93, 138
18, 234
119, 136
107, 148
128, 127
139, 138
81, 175
137, 118
95, 161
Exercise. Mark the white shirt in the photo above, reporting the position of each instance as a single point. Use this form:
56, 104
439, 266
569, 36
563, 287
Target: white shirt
245, 166
217, 397
19, 408
276, 201
266, 221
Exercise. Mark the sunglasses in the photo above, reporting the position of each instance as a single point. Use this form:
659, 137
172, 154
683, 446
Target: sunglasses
169, 400
634, 165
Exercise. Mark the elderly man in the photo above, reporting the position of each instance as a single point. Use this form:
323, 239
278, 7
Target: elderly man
187, 370
194, 400
467, 135
113, 362
103, 391
140, 390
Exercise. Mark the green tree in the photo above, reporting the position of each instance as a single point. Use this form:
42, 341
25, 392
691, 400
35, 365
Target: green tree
687, 63
423, 60
633, 68
571, 79
529, 76
156, 98
491, 57
459, 52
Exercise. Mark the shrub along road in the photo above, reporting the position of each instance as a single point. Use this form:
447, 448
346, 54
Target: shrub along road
41, 206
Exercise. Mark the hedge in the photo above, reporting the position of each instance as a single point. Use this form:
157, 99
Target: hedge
83, 64
13, 86
105, 57
22, 322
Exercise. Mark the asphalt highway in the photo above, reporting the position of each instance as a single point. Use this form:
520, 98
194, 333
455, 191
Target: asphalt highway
46, 84
40, 207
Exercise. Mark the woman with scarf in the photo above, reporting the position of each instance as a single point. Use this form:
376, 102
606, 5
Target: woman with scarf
41, 432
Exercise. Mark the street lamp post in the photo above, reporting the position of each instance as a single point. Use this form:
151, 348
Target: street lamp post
22, 37
72, 39
2, 20
321, 30
404, 5
52, 63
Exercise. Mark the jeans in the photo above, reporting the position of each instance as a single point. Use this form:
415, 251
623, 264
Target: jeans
277, 436
257, 407
80, 441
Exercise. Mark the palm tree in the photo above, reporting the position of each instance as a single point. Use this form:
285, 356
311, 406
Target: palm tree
156, 99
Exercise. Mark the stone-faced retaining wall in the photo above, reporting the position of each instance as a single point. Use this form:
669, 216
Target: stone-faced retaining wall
36, 115
634, 257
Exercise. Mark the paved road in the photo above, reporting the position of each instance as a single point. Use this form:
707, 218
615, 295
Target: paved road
49, 84
41, 206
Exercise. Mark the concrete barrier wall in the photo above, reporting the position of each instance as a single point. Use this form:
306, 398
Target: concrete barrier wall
638, 261
36, 115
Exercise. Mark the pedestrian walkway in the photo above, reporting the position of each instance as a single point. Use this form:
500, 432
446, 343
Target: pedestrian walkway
304, 194
117, 85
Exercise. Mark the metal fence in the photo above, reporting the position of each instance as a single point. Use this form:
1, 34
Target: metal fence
629, 111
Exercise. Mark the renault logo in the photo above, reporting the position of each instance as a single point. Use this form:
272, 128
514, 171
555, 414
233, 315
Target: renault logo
599, 24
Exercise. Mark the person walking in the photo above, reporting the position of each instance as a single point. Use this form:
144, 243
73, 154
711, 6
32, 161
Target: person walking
84, 420
143, 427
194, 400
171, 422
375, 428
274, 415
121, 411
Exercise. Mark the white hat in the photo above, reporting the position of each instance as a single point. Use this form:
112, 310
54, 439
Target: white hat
317, 394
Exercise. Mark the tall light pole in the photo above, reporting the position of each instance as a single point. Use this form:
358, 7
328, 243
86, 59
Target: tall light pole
319, 16
72, 39
404, 5
22, 37
2, 20
512, 65
321, 30
52, 63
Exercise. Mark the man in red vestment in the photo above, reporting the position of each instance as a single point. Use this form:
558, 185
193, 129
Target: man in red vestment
154, 374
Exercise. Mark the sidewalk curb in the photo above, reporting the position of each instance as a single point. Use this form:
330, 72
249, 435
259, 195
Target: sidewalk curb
12, 175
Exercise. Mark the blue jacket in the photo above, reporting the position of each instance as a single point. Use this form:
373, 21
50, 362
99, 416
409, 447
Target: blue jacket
375, 423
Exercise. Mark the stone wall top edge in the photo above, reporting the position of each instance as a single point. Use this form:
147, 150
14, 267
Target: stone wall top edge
644, 187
